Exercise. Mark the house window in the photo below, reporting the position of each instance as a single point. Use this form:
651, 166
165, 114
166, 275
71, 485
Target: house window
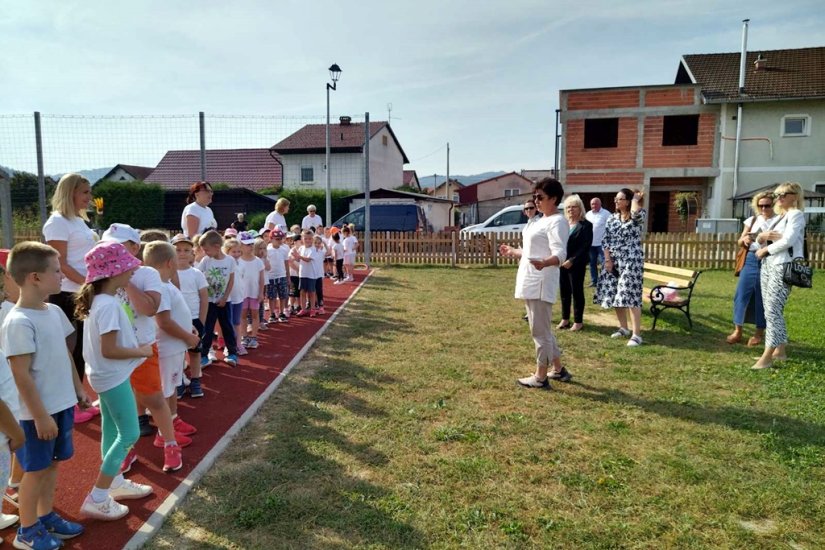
680, 130
307, 174
385, 140
796, 125
601, 132
455, 197
511, 192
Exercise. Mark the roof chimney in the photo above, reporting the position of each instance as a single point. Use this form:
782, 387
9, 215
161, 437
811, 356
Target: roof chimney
761, 63
345, 120
743, 55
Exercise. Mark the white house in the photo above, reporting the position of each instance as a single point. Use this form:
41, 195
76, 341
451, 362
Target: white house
303, 156
127, 172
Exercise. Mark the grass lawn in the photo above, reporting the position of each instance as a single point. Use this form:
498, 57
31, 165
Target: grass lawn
404, 428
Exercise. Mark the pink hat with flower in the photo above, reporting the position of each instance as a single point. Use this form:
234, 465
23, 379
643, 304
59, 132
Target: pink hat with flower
108, 259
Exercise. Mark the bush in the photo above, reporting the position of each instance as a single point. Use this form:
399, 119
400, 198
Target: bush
136, 203
256, 220
299, 199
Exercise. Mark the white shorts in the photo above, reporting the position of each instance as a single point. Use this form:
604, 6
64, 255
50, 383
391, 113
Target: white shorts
171, 372
349, 258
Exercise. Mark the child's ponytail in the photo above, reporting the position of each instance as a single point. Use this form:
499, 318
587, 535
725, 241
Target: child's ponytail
83, 298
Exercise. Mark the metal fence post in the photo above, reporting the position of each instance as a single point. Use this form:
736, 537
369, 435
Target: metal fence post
41, 176
5, 213
367, 242
203, 144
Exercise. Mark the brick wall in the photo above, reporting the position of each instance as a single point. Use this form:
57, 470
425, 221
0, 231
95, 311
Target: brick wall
669, 97
607, 99
621, 156
658, 156
674, 222
630, 179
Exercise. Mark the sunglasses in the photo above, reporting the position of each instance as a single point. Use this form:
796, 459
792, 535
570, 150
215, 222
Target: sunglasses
529, 208
782, 195
539, 197
765, 205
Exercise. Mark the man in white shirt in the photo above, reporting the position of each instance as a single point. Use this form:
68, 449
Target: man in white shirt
311, 220
598, 217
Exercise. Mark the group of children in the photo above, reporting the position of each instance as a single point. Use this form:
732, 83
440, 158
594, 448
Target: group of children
149, 306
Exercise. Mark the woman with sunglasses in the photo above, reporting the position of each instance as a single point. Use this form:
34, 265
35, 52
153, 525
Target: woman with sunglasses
747, 302
537, 281
620, 283
571, 277
783, 241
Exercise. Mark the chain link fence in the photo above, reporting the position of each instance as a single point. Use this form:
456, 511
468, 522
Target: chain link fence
233, 151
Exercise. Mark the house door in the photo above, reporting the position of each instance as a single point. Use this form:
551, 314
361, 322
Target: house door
661, 212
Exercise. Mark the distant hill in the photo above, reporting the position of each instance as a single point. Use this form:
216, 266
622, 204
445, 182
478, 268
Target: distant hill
93, 174
427, 181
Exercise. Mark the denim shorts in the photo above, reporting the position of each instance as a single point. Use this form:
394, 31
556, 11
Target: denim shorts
38, 454
235, 313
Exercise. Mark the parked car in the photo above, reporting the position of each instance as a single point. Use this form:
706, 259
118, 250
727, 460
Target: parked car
506, 220
388, 217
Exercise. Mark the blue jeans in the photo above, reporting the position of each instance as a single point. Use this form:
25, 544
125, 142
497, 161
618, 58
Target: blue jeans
747, 302
596, 261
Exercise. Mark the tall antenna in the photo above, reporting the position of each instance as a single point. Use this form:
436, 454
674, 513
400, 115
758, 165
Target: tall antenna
389, 112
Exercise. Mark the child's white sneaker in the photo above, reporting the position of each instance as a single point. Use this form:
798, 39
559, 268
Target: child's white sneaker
130, 490
107, 510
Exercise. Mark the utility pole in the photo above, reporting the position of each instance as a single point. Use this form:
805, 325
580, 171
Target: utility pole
447, 190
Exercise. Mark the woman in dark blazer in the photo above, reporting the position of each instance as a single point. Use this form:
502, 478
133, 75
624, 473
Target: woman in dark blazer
571, 278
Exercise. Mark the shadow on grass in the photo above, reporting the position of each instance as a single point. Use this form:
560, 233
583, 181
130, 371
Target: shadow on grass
788, 433
309, 485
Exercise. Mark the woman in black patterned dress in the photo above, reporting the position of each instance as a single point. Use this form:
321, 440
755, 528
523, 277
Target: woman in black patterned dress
620, 283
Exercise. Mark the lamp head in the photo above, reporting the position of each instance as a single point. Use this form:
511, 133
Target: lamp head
335, 72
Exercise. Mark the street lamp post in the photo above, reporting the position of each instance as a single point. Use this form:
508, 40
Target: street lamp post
334, 74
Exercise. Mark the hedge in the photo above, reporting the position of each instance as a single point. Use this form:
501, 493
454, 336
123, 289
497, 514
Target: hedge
135, 203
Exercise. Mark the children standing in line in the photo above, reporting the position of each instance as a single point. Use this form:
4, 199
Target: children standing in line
318, 260
193, 287
111, 353
350, 248
338, 255
306, 274
176, 332
250, 280
232, 248
278, 256
144, 299
219, 270
49, 388
11, 435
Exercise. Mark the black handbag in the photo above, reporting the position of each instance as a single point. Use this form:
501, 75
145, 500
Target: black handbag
798, 272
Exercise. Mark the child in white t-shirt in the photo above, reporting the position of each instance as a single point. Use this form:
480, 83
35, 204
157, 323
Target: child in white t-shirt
350, 248
260, 252
318, 262
278, 255
232, 249
250, 280
294, 242
307, 255
219, 270
193, 287
111, 353
338, 256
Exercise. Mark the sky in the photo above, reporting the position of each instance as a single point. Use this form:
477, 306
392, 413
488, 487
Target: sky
482, 75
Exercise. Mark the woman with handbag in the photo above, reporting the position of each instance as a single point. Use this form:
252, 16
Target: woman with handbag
784, 241
748, 297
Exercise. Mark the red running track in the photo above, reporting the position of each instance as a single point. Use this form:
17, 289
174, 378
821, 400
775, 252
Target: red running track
228, 394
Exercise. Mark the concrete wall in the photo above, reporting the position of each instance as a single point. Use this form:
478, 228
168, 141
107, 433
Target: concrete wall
800, 159
346, 171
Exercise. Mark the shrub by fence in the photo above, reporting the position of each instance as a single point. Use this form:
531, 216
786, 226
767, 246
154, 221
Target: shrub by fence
135, 203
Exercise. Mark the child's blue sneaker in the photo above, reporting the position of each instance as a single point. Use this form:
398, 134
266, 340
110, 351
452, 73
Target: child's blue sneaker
195, 389
35, 537
231, 360
59, 527
181, 391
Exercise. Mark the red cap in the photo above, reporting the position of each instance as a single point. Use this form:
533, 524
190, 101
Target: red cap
4, 256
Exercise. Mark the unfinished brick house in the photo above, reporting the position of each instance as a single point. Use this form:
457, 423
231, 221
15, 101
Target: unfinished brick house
659, 139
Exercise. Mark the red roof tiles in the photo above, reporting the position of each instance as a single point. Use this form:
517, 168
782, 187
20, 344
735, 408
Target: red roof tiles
343, 138
253, 169
797, 73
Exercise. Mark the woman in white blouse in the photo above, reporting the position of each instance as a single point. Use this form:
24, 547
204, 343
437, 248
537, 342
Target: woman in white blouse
66, 231
782, 242
277, 218
544, 249
197, 217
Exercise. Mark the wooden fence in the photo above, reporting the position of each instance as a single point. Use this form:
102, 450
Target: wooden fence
689, 250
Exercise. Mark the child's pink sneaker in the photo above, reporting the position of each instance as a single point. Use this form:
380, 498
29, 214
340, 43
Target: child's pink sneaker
183, 427
300, 313
81, 416
321, 311
242, 350
313, 312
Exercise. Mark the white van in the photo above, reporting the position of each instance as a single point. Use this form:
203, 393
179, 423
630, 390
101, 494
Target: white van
506, 220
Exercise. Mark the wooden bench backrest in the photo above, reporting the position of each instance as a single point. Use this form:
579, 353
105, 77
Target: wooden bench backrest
665, 274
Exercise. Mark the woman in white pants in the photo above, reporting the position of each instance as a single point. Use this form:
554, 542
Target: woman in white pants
537, 282
782, 242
